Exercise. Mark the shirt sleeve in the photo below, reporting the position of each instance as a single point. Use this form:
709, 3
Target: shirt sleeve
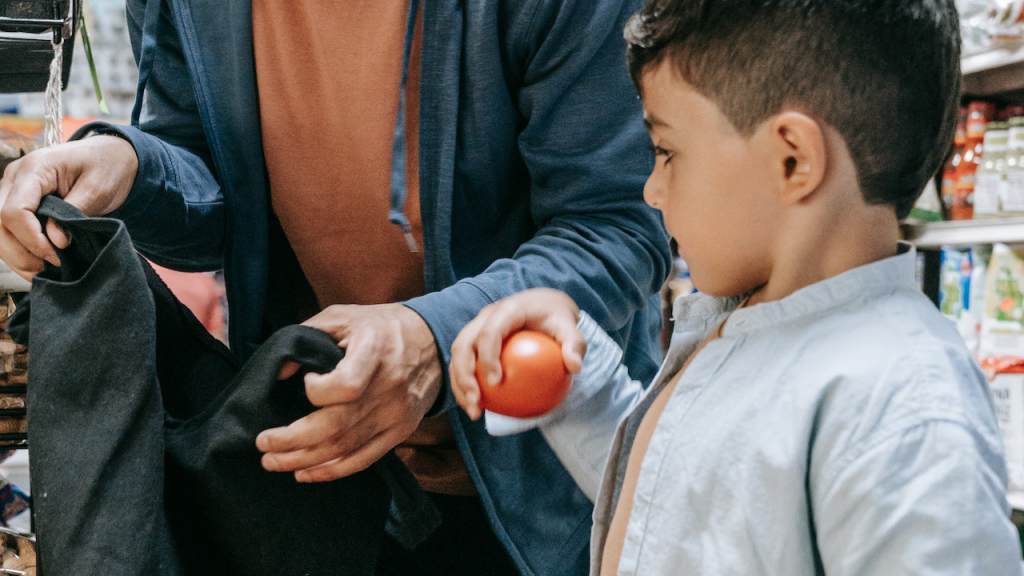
929, 500
581, 429
175, 211
586, 151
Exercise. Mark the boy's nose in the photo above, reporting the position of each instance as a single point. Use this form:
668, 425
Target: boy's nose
653, 189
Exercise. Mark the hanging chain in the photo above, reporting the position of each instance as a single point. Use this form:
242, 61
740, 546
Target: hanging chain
53, 130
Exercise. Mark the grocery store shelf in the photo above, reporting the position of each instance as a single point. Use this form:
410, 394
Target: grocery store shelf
1003, 55
1000, 69
966, 232
1016, 500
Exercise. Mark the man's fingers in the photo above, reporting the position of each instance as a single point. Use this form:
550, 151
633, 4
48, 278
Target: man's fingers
305, 458
20, 260
60, 237
349, 379
281, 439
334, 320
26, 231
350, 464
25, 185
288, 369
318, 427
346, 383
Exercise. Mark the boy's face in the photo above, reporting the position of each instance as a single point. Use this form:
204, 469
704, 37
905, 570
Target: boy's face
713, 186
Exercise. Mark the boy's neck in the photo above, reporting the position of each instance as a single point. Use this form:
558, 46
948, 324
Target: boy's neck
832, 234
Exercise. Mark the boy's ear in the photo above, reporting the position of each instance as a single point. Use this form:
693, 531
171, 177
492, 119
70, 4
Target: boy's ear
800, 155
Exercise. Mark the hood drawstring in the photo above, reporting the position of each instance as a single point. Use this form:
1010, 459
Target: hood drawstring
147, 54
398, 157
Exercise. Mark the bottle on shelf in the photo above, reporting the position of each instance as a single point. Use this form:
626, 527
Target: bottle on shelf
949, 170
990, 184
1013, 201
978, 115
1011, 111
970, 320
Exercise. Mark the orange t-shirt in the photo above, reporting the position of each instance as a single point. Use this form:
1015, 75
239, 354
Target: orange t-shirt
329, 76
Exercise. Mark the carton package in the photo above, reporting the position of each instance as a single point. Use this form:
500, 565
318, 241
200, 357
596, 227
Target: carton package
1006, 382
955, 282
1002, 325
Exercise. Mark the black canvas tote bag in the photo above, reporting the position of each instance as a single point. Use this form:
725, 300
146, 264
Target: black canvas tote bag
142, 431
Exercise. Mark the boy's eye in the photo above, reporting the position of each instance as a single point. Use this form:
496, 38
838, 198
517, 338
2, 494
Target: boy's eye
661, 152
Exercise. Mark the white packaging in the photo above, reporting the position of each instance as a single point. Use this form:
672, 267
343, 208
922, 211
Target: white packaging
1008, 397
1002, 325
986, 194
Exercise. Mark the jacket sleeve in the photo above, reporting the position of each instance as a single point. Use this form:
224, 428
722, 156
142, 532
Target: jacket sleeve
581, 429
175, 210
587, 153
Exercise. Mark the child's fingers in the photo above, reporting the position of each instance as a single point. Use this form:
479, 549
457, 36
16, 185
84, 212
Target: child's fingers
501, 320
463, 392
462, 368
562, 327
461, 373
574, 347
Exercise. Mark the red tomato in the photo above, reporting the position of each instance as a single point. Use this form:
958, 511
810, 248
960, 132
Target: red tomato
534, 379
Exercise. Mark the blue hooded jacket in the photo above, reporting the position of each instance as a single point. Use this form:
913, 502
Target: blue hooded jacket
533, 157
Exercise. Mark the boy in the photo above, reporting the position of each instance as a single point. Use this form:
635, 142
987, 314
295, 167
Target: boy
815, 413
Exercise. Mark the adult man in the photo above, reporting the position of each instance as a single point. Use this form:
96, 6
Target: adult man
263, 146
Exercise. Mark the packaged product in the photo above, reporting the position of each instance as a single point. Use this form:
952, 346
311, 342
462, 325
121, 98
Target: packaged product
17, 553
979, 113
951, 168
974, 25
1011, 111
680, 283
928, 207
1002, 326
970, 321
13, 146
1013, 201
1006, 19
1006, 383
990, 182
954, 282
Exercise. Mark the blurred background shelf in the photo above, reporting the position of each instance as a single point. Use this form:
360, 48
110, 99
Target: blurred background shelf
1016, 500
962, 233
995, 71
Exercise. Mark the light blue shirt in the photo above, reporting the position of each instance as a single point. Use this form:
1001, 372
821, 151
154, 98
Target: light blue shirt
843, 430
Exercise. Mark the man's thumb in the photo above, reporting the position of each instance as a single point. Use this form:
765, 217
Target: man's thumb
60, 237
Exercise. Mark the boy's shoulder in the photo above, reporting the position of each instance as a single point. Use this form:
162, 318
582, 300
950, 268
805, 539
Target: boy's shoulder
899, 348
898, 365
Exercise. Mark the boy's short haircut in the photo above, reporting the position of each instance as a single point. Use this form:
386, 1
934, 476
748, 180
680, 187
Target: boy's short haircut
884, 73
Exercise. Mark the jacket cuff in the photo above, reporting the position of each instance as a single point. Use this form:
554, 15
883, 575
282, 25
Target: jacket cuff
446, 313
150, 179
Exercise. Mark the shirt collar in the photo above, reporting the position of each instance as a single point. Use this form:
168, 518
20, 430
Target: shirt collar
891, 274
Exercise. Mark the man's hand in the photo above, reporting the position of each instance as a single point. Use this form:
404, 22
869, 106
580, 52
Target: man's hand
372, 401
94, 175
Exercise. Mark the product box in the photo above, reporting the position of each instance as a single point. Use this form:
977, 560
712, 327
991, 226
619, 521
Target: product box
955, 282
1006, 382
1002, 326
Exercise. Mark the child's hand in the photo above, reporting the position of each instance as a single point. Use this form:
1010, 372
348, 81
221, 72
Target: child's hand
541, 309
